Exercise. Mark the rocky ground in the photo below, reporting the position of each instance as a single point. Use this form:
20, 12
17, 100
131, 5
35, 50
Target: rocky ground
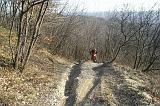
97, 84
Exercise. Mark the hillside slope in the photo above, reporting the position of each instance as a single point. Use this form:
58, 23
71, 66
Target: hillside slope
41, 83
51, 80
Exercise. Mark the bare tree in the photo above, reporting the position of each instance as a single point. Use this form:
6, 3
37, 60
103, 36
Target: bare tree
25, 18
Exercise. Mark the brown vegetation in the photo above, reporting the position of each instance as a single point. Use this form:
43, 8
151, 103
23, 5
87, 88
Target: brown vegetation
129, 38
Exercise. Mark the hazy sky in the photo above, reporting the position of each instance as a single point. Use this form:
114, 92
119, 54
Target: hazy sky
106, 5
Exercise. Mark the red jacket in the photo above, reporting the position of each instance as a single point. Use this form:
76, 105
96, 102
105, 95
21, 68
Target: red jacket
93, 52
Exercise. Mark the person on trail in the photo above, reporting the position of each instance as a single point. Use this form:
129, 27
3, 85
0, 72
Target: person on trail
93, 55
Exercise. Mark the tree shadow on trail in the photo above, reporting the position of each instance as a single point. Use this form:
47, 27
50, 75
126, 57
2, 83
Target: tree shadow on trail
99, 73
72, 84
122, 93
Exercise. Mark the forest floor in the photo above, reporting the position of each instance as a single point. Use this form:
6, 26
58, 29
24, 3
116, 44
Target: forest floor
51, 80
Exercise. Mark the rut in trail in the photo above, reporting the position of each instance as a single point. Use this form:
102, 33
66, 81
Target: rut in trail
71, 85
97, 84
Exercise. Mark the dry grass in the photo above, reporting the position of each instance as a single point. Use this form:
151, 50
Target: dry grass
30, 86
155, 83
4, 42
150, 80
14, 87
42, 74
21, 89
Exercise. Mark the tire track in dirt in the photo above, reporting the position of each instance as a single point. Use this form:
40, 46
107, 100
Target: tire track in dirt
72, 84
96, 88
117, 90
97, 84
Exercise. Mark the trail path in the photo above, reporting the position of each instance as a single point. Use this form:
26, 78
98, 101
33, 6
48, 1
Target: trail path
97, 84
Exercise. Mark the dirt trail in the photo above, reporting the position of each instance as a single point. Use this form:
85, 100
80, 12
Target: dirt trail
119, 91
71, 85
93, 84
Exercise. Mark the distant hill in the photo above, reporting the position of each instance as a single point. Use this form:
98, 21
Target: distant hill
102, 14
108, 14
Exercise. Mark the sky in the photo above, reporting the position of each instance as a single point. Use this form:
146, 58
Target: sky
110, 5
